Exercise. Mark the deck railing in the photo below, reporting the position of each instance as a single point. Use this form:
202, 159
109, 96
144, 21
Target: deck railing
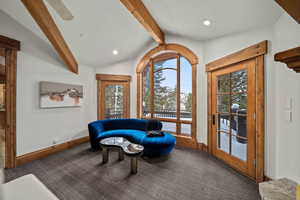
168, 114
112, 114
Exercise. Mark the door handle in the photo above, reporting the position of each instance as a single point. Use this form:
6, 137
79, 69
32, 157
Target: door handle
213, 119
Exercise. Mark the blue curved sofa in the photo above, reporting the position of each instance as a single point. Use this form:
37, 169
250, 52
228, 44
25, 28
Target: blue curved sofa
135, 131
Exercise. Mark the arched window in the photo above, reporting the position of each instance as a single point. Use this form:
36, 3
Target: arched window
167, 91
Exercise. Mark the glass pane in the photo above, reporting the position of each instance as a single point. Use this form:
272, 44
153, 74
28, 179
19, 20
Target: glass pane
239, 103
185, 89
223, 141
223, 103
171, 63
239, 127
165, 93
239, 136
186, 129
146, 92
169, 126
114, 102
224, 122
238, 149
239, 81
224, 83
232, 127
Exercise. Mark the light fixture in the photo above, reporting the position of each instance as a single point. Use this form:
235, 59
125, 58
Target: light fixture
206, 22
115, 52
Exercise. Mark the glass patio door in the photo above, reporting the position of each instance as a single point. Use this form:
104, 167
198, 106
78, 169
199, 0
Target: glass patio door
114, 100
233, 116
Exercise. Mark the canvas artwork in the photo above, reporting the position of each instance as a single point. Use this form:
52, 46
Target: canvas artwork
54, 95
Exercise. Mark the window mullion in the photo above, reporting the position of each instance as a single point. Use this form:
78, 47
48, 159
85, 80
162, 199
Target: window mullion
178, 125
152, 88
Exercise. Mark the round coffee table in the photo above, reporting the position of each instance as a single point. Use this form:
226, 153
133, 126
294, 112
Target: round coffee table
130, 149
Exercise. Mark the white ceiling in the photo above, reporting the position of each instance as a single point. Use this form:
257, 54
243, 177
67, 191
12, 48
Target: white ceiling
185, 17
100, 26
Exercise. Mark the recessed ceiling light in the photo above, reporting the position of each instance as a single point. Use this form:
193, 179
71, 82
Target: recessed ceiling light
115, 52
206, 23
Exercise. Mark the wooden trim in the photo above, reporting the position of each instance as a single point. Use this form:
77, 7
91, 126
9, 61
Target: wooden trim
50, 150
292, 7
178, 100
151, 89
99, 97
185, 141
43, 18
260, 119
182, 50
209, 111
141, 13
290, 57
10, 130
112, 77
194, 102
202, 147
106, 79
266, 178
2, 52
165, 56
245, 54
2, 70
9, 43
139, 92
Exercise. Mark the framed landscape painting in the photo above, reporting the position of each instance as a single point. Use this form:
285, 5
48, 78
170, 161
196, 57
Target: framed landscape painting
55, 95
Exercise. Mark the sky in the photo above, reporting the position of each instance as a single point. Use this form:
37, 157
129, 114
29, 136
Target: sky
185, 73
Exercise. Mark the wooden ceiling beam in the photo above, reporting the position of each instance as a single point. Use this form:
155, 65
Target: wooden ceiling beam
292, 7
290, 57
43, 18
141, 13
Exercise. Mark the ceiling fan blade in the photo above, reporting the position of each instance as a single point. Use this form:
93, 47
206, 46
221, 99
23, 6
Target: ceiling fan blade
61, 9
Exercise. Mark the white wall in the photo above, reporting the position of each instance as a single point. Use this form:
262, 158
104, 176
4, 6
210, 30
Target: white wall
287, 33
37, 61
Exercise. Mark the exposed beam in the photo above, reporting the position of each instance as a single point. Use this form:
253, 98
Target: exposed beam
43, 18
141, 13
292, 7
290, 57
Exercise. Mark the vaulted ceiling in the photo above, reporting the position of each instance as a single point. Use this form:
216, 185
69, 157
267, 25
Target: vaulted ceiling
100, 26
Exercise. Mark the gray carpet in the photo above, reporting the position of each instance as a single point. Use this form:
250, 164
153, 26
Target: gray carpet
77, 174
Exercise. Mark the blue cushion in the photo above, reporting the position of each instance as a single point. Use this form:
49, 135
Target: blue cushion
134, 136
135, 131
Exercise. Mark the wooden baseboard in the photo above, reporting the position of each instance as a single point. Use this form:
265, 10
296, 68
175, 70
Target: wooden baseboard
202, 147
50, 150
185, 141
266, 178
